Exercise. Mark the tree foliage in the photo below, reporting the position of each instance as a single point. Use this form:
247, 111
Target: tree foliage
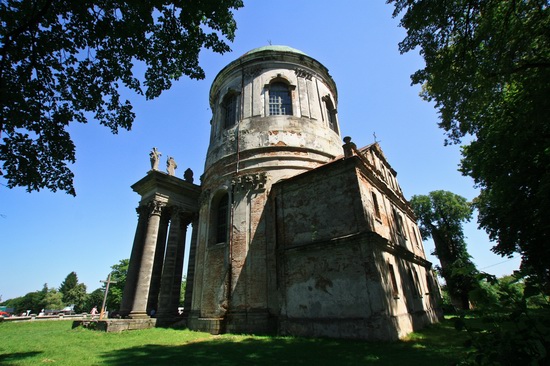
94, 298
53, 300
516, 316
441, 215
487, 68
47, 298
31, 301
70, 282
118, 274
65, 61
74, 293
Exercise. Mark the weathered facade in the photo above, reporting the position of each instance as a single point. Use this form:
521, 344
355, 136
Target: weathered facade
292, 233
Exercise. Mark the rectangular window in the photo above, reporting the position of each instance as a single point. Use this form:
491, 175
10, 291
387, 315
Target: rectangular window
229, 111
376, 206
416, 239
429, 284
395, 289
222, 223
417, 284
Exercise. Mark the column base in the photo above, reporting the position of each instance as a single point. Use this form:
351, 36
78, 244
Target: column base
138, 315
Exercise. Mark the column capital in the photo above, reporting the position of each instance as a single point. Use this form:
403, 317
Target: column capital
155, 207
184, 216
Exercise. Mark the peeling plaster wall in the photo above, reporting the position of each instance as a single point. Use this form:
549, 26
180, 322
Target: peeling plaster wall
335, 275
310, 210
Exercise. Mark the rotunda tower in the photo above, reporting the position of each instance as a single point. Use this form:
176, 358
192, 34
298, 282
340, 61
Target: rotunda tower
274, 117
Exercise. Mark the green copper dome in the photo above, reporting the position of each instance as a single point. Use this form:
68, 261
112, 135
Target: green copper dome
277, 48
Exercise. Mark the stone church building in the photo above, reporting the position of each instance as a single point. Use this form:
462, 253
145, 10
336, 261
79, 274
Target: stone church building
293, 233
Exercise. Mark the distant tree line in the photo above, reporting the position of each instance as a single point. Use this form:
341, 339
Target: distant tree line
71, 292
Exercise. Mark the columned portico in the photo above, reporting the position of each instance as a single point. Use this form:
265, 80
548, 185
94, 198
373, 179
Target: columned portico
135, 260
170, 289
156, 263
166, 216
141, 294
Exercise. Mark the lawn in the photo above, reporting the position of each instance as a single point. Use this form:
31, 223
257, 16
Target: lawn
55, 342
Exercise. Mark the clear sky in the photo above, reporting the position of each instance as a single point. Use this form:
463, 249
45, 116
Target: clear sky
44, 236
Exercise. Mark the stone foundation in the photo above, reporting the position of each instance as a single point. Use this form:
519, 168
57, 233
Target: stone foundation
209, 325
116, 325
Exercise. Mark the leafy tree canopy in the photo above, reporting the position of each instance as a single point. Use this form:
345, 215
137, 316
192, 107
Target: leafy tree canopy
95, 298
441, 215
118, 274
488, 72
65, 61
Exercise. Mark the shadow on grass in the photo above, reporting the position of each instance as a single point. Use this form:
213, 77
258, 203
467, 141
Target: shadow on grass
227, 350
6, 358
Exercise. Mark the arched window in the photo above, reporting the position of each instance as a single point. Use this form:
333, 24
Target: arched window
221, 219
331, 114
280, 102
229, 110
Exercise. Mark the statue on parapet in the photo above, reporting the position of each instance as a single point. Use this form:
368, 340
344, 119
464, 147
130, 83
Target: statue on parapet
154, 156
171, 166
188, 175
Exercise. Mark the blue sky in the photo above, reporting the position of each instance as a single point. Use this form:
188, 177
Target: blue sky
45, 236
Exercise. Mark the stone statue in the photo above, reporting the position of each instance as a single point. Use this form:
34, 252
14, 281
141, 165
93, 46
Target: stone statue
154, 156
171, 166
188, 175
350, 149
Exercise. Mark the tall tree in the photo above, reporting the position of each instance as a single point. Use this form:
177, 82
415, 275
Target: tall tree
118, 274
488, 72
64, 61
441, 215
73, 293
70, 282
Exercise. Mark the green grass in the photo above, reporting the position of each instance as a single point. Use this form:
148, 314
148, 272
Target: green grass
54, 342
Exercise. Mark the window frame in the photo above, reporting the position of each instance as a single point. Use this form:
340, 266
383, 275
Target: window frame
331, 112
376, 204
284, 92
230, 109
220, 219
393, 280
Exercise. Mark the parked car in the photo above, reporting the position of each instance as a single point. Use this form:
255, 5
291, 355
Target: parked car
3, 313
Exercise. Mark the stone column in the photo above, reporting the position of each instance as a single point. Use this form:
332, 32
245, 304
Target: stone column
141, 295
191, 267
173, 267
152, 302
135, 261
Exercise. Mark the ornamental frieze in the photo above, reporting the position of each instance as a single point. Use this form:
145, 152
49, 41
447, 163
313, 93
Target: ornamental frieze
250, 182
301, 73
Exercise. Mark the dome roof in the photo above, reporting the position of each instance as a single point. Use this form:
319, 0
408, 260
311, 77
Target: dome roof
277, 48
